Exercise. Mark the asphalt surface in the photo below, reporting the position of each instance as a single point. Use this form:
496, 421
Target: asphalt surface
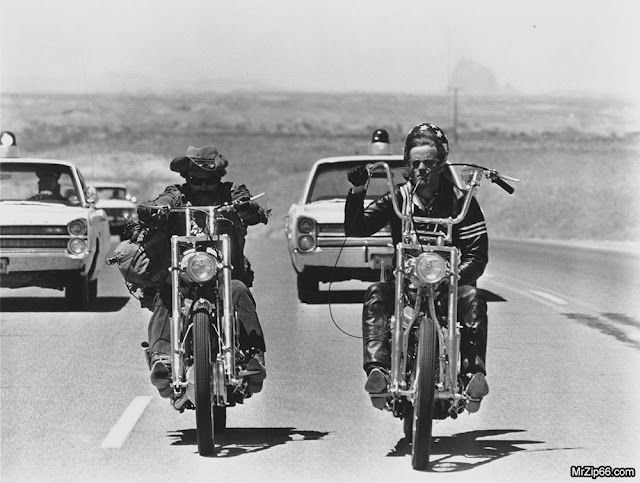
563, 360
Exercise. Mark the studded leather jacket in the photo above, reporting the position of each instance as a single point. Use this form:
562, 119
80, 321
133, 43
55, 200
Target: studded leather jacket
470, 235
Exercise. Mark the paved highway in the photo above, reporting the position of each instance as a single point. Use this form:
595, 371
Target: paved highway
563, 361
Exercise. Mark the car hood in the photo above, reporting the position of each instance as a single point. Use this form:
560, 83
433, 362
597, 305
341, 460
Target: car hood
125, 204
33, 213
324, 211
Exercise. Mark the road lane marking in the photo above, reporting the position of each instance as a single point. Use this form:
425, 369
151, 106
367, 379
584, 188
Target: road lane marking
548, 296
526, 294
120, 431
533, 285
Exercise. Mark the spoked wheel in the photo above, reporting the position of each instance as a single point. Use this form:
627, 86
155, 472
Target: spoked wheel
426, 365
202, 381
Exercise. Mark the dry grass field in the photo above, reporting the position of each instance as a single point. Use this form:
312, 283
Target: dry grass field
578, 159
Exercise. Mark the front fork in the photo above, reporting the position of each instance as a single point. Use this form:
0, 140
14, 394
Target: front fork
449, 341
227, 351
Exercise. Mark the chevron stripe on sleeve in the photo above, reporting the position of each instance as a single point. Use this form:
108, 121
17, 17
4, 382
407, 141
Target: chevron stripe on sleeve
473, 230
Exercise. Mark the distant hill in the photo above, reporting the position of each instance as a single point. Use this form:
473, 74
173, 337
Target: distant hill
473, 78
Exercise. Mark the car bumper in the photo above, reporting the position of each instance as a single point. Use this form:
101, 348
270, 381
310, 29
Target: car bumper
362, 261
18, 267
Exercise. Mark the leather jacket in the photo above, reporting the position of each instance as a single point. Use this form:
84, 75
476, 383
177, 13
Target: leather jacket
247, 214
470, 235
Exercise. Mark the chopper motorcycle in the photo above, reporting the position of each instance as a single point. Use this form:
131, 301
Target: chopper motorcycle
425, 378
209, 368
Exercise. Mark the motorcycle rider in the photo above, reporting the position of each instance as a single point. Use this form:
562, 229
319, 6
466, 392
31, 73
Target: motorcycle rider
203, 169
434, 194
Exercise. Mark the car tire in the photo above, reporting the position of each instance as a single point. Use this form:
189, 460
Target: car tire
93, 289
76, 292
307, 288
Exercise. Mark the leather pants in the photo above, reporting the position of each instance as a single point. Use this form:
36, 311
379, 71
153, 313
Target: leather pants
250, 331
377, 311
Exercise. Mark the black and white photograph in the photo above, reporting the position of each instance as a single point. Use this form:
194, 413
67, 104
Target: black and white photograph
300, 241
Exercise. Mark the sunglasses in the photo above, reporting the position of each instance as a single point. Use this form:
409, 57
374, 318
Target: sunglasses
430, 164
203, 181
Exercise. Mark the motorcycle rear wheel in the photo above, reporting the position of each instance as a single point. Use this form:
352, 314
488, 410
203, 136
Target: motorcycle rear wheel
202, 381
426, 366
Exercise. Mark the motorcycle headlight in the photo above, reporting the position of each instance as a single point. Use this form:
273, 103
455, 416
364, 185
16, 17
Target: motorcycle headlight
430, 267
76, 245
200, 266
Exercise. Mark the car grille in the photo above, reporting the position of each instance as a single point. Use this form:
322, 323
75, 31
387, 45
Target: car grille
30, 243
38, 237
114, 211
27, 230
337, 229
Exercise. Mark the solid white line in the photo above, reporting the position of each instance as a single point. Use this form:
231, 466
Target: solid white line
120, 431
548, 296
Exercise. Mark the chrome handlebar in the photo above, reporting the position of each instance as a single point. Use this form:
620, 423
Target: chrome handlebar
474, 182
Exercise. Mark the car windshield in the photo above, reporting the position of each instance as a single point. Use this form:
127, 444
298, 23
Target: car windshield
38, 182
106, 193
330, 182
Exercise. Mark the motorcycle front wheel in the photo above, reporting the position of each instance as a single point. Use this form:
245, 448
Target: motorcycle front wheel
425, 377
202, 381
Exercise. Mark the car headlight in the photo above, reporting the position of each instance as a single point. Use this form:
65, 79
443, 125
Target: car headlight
306, 225
76, 246
77, 227
306, 242
200, 266
430, 267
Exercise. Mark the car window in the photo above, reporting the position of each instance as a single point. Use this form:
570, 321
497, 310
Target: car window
46, 183
330, 181
106, 193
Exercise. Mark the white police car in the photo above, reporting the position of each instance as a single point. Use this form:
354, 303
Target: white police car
51, 234
314, 226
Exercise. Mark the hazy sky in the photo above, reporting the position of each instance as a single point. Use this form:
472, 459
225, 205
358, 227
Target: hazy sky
343, 45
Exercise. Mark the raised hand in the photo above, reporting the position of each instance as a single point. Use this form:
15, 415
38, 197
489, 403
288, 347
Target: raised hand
358, 176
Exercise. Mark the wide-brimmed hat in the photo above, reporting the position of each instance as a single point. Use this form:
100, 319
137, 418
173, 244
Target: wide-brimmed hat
206, 158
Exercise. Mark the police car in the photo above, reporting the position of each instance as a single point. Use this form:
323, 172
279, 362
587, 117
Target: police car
51, 233
319, 250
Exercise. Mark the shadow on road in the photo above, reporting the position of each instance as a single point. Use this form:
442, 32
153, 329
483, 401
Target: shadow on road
339, 297
59, 304
239, 441
446, 451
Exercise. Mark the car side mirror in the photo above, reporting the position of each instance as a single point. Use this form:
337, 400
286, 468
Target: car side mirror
90, 195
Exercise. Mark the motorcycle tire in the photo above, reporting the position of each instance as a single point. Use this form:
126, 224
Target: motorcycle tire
426, 367
202, 358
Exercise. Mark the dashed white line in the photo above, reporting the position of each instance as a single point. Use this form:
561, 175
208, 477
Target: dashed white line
526, 293
548, 296
120, 431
